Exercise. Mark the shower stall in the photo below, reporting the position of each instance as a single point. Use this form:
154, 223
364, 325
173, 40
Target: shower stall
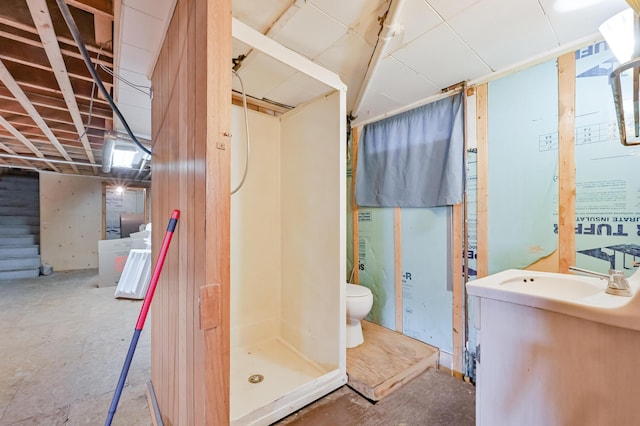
288, 296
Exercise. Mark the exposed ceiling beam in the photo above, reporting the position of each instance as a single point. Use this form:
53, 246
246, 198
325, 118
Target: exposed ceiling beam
96, 7
58, 104
53, 116
42, 19
17, 92
66, 52
12, 152
65, 40
103, 29
4, 123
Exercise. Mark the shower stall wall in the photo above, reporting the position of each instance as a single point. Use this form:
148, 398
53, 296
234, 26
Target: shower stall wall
287, 303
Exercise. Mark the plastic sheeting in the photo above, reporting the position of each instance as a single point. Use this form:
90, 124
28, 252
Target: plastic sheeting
607, 185
427, 300
522, 169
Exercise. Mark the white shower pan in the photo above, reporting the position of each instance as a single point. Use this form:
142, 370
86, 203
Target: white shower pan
288, 314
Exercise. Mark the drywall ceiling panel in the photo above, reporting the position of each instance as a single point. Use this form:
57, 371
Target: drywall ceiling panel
130, 96
376, 104
140, 29
416, 17
259, 15
260, 74
370, 28
400, 83
134, 59
564, 15
141, 81
350, 13
518, 30
308, 32
348, 57
157, 8
442, 58
139, 120
448, 9
297, 89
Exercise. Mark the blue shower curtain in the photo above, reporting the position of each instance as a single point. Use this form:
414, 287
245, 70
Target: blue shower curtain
413, 159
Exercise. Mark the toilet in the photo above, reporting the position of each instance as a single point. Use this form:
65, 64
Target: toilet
359, 303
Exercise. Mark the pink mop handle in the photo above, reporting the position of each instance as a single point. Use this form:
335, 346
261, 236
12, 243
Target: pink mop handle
157, 269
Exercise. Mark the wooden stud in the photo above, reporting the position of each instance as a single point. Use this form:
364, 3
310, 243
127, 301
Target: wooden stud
482, 137
42, 19
355, 136
397, 272
566, 161
458, 290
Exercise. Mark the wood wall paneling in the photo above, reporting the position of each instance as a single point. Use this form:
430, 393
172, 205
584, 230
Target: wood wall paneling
191, 114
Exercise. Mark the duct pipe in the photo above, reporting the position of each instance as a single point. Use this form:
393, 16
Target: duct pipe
391, 27
24, 157
107, 154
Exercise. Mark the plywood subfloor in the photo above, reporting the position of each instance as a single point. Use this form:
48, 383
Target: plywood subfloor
386, 360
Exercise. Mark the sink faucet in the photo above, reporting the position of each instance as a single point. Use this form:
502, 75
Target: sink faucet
617, 283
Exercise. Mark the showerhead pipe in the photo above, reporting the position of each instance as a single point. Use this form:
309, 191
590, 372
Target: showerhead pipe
246, 124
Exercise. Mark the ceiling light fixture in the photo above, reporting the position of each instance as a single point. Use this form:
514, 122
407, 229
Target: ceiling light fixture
118, 150
619, 32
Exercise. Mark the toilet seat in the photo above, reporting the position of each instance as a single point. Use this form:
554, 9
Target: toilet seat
356, 290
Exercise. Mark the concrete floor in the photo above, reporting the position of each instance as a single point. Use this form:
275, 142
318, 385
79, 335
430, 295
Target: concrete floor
63, 341
62, 345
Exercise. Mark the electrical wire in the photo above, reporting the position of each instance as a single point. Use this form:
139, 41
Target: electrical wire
246, 124
68, 18
137, 87
93, 90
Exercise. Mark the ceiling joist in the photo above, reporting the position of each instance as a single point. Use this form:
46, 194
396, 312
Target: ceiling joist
42, 19
19, 136
17, 92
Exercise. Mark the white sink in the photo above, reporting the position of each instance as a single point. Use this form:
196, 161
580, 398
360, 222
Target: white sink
579, 296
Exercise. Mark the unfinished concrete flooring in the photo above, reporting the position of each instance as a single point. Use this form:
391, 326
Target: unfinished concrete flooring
434, 398
62, 345
63, 341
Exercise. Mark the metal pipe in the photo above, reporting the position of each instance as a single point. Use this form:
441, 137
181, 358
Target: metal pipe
390, 28
246, 125
47, 160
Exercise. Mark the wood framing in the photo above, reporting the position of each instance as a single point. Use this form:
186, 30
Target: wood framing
566, 161
191, 126
458, 290
482, 138
42, 20
355, 136
397, 271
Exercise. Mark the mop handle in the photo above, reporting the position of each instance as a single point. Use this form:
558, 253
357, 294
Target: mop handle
158, 268
143, 316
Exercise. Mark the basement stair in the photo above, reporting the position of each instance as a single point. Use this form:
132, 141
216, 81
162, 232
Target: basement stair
19, 226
